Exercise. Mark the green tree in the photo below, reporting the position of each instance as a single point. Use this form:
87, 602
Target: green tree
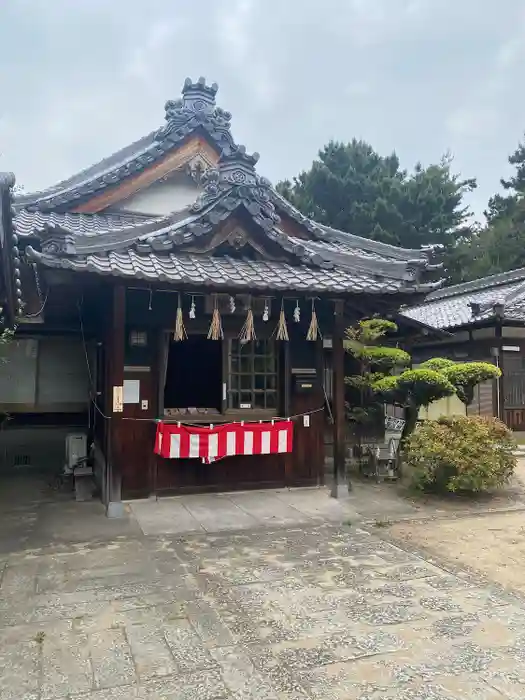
500, 245
464, 376
375, 383
413, 389
373, 361
352, 188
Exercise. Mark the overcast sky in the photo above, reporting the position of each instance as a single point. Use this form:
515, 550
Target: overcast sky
81, 78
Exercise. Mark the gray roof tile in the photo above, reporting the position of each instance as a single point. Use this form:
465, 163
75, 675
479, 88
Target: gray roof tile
370, 264
155, 247
348, 242
217, 272
450, 307
30, 222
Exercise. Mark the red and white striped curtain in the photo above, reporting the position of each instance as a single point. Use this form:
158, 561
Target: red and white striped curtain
177, 441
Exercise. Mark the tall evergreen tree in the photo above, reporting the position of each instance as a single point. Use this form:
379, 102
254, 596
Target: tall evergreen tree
500, 245
351, 187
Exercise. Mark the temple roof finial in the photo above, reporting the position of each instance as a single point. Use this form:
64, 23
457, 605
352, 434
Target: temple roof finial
199, 96
237, 167
197, 107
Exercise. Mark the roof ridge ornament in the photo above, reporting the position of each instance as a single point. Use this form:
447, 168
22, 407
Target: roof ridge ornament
237, 167
199, 96
197, 107
235, 182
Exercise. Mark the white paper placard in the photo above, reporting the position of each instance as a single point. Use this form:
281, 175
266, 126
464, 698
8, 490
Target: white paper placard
117, 399
131, 391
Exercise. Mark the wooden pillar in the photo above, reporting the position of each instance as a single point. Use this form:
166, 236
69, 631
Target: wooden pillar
321, 419
500, 382
117, 339
340, 486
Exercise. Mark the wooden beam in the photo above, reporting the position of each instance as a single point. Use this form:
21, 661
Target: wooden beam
170, 163
116, 345
340, 486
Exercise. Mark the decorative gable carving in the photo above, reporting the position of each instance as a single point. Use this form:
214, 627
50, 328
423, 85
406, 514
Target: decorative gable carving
197, 167
238, 238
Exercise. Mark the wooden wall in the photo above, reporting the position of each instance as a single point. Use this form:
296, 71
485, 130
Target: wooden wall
133, 431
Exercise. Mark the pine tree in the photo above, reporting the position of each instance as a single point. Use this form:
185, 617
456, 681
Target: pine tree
352, 188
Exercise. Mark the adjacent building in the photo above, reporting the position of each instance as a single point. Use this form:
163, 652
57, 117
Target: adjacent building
485, 320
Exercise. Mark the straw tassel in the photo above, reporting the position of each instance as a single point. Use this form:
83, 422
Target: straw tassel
180, 331
248, 330
282, 330
313, 330
216, 332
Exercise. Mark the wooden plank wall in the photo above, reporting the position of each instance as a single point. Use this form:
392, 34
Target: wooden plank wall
143, 473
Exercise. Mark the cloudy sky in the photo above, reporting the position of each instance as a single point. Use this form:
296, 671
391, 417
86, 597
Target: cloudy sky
81, 78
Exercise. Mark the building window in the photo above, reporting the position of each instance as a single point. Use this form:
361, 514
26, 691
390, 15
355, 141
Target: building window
194, 374
252, 375
138, 339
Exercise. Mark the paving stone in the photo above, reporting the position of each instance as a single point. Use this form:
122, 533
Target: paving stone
66, 665
19, 581
219, 513
115, 616
20, 670
124, 692
165, 517
95, 595
187, 648
111, 659
439, 604
150, 651
203, 685
267, 509
455, 626
241, 677
211, 629
408, 572
448, 583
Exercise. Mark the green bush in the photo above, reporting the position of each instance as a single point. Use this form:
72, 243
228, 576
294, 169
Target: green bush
469, 454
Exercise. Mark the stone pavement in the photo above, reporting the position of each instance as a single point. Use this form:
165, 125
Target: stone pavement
367, 503
318, 612
244, 510
285, 603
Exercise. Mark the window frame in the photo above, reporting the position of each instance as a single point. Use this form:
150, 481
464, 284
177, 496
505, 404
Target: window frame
235, 387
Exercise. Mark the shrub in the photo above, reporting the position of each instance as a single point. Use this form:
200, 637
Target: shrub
460, 454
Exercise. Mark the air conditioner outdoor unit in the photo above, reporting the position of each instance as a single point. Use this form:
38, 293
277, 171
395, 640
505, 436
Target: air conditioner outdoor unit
76, 449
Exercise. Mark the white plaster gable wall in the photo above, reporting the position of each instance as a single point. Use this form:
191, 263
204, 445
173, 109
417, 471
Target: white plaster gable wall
162, 197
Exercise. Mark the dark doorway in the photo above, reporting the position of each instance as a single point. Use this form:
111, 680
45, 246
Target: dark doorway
194, 374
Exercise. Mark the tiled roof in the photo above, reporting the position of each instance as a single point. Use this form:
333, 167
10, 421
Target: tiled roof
472, 302
226, 272
324, 260
195, 112
347, 242
31, 222
167, 247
